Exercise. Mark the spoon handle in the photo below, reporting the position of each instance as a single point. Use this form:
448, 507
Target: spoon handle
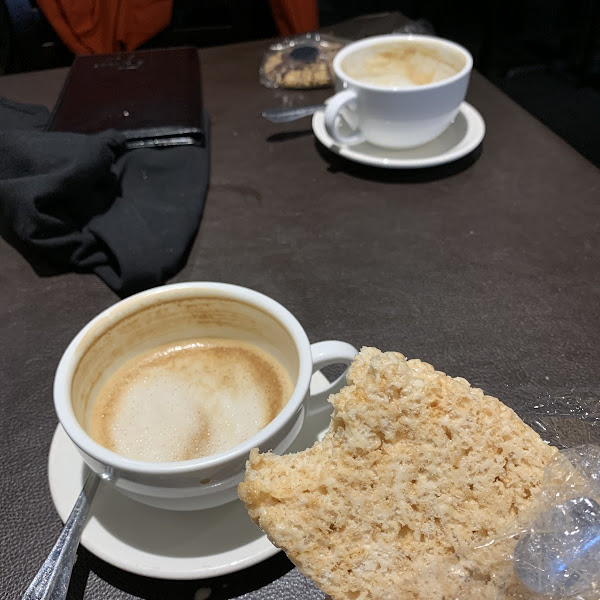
52, 580
284, 115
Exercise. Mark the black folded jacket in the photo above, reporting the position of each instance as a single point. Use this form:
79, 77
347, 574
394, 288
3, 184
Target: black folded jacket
87, 203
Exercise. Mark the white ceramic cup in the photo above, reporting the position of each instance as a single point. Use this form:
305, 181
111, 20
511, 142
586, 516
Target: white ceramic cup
402, 115
169, 314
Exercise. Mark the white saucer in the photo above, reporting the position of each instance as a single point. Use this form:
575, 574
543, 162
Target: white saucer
161, 543
462, 137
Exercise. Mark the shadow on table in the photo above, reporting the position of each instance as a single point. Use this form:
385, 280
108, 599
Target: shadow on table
41, 266
221, 588
284, 136
422, 175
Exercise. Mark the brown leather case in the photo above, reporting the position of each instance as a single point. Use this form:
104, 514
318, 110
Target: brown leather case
154, 97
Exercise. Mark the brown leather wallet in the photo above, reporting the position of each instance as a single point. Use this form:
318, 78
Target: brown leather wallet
154, 97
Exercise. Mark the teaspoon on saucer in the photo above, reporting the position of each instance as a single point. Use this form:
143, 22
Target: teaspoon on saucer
52, 580
285, 115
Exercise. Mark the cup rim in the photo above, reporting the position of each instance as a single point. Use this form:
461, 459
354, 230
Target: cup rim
74, 351
368, 41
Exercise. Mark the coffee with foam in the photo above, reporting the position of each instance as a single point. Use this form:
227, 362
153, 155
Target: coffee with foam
188, 400
402, 64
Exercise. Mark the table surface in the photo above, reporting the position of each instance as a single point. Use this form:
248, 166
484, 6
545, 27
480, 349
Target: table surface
487, 268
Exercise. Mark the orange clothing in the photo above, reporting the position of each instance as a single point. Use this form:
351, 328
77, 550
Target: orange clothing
105, 26
295, 16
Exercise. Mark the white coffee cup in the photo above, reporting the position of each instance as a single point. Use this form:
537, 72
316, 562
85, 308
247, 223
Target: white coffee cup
166, 315
397, 91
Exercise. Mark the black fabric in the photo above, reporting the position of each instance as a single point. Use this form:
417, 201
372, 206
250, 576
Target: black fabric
86, 203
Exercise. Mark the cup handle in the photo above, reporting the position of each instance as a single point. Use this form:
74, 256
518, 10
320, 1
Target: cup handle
330, 352
332, 110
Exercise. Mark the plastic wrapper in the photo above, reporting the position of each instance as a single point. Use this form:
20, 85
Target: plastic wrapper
552, 551
559, 522
306, 61
300, 62
418, 26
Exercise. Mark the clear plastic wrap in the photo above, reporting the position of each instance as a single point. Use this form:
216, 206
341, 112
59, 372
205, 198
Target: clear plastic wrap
553, 551
300, 62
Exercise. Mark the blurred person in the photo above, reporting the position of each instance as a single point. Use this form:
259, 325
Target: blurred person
105, 26
295, 16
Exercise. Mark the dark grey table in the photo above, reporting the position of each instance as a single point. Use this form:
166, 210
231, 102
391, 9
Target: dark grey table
488, 268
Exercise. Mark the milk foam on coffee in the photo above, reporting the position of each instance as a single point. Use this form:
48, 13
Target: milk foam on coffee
190, 399
402, 64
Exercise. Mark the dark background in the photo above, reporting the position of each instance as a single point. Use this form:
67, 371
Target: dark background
545, 55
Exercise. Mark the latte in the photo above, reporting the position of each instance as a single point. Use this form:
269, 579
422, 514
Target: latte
401, 64
188, 400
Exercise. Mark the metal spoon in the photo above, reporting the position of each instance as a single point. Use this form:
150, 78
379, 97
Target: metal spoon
52, 580
285, 115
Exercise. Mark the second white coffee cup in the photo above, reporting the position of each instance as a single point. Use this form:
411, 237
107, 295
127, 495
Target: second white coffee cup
397, 91
166, 317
